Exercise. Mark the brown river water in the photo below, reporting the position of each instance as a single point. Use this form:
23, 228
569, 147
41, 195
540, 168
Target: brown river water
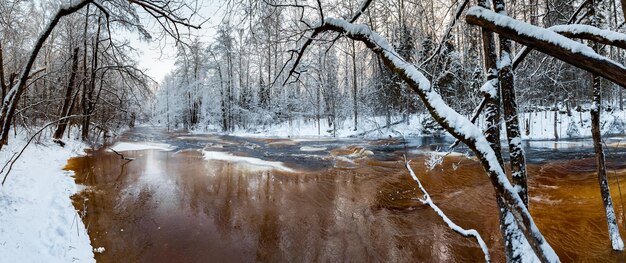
175, 206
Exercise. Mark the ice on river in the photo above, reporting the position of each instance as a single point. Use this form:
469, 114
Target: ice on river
255, 162
138, 146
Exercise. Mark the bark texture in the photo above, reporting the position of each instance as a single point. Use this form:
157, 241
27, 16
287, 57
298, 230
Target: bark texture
68, 101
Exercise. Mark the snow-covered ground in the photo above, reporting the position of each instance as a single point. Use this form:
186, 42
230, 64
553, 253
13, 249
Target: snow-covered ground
540, 126
38, 222
578, 125
367, 128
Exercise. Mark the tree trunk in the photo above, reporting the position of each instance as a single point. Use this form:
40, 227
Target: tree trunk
89, 104
511, 118
492, 133
10, 104
354, 86
65, 111
556, 120
614, 235
596, 109
3, 83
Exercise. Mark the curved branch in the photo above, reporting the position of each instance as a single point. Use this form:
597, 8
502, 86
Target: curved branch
456, 228
456, 124
364, 5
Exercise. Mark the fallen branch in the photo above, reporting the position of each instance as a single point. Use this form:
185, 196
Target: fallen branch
464, 232
121, 155
378, 128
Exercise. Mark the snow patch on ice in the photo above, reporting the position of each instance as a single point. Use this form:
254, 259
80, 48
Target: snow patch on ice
312, 149
138, 146
223, 156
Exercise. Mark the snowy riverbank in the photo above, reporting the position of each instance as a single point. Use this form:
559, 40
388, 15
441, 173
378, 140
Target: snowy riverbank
38, 222
538, 125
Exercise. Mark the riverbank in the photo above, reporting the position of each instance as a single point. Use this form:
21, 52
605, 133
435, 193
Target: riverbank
537, 125
38, 222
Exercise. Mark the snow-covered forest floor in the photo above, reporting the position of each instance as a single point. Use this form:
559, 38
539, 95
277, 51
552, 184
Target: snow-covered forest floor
539, 125
38, 222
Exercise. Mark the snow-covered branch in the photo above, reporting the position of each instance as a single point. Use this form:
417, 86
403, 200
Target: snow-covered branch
464, 232
548, 42
592, 33
455, 123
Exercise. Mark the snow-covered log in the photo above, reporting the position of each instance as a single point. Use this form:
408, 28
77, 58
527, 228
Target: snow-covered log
456, 124
548, 42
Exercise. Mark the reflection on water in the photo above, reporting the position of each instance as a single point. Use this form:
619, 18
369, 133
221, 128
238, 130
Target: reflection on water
177, 207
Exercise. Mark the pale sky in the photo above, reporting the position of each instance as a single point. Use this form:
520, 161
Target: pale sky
157, 57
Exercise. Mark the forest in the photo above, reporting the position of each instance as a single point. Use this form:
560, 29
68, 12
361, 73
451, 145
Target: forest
487, 75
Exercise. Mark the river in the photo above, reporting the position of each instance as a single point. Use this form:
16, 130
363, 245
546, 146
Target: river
329, 200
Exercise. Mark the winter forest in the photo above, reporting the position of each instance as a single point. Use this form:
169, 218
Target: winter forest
301, 130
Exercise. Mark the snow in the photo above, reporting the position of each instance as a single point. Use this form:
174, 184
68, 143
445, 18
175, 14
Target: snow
540, 128
303, 130
38, 222
138, 146
312, 149
543, 34
521, 247
490, 87
579, 29
576, 126
254, 162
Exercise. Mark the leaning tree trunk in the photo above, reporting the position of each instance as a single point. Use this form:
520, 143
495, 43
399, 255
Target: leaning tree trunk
516, 152
616, 240
456, 124
511, 119
596, 108
65, 111
509, 229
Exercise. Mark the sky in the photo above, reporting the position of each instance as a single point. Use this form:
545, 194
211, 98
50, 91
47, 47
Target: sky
157, 57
